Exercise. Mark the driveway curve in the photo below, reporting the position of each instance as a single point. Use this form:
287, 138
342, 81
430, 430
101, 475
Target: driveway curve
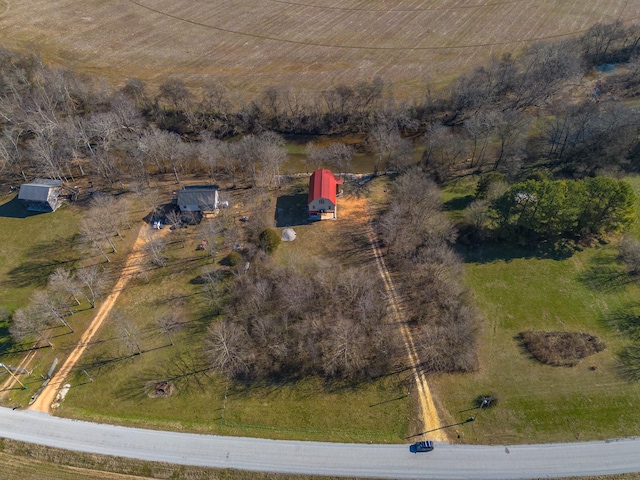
334, 459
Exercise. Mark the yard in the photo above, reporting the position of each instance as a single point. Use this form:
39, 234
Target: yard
126, 384
540, 403
173, 387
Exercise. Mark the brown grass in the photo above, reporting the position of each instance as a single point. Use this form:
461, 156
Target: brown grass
304, 43
561, 349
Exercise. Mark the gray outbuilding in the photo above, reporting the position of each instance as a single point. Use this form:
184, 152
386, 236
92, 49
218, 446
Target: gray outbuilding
42, 195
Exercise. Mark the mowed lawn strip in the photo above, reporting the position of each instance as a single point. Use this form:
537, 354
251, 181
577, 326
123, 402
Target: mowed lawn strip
539, 403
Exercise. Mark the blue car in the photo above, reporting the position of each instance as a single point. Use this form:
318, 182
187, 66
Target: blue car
418, 447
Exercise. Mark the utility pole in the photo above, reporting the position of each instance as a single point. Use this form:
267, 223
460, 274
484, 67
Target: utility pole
24, 387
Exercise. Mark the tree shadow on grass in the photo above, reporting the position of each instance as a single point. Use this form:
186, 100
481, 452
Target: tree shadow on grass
522, 347
42, 259
186, 371
489, 252
6, 342
458, 203
625, 320
629, 366
605, 275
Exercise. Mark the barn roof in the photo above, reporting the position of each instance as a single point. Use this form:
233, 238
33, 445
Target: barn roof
37, 191
322, 184
203, 196
40, 195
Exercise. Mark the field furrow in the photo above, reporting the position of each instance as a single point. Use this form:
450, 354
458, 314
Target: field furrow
258, 43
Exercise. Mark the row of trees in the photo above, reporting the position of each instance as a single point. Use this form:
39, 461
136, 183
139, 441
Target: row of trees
56, 124
536, 211
418, 237
51, 307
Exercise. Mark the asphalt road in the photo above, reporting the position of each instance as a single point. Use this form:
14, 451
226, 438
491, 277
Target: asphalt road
335, 459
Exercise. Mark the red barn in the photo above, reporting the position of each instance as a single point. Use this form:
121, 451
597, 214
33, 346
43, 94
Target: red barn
323, 189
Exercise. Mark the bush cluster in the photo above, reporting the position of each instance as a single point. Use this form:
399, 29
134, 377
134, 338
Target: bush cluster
285, 323
561, 349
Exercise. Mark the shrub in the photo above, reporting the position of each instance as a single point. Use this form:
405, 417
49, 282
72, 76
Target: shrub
486, 181
234, 258
563, 349
269, 240
629, 253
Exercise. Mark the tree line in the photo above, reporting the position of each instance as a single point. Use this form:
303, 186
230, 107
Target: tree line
418, 238
510, 112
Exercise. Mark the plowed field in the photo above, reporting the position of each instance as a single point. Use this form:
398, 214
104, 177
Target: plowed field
311, 44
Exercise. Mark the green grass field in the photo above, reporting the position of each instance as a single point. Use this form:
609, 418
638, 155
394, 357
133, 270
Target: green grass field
515, 291
33, 246
538, 403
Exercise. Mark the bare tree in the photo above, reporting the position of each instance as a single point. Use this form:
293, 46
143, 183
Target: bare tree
336, 156
213, 287
50, 307
345, 349
629, 249
171, 321
385, 140
260, 157
164, 149
443, 152
11, 151
128, 330
92, 238
210, 234
152, 201
93, 283
27, 322
176, 94
65, 283
211, 153
156, 247
174, 217
228, 346
478, 129
510, 130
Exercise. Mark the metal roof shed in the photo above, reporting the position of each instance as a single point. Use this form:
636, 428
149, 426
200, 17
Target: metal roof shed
42, 195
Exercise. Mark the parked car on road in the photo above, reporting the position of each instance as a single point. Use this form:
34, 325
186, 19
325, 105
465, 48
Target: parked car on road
418, 447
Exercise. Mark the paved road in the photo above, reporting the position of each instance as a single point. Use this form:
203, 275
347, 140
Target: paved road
383, 461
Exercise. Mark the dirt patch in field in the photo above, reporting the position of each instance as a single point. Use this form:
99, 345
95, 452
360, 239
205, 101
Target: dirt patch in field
160, 389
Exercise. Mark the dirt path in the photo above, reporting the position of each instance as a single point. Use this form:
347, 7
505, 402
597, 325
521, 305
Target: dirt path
356, 211
430, 419
131, 268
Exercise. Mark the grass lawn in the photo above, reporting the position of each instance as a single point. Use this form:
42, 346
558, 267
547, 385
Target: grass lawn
34, 245
538, 403
201, 400
39, 244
